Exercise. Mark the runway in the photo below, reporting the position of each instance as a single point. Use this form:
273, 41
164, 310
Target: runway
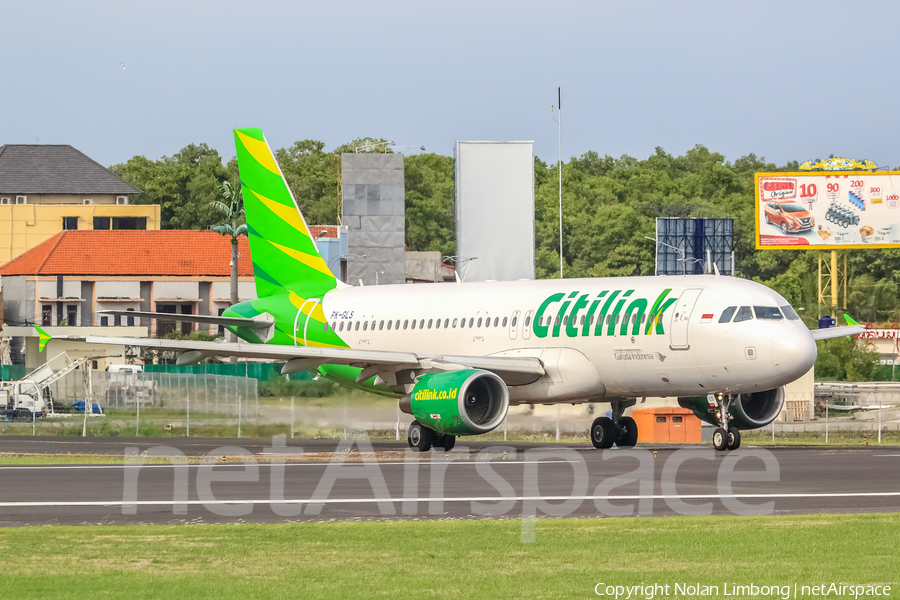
305, 480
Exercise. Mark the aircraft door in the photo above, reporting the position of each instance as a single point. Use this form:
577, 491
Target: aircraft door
514, 324
300, 329
681, 316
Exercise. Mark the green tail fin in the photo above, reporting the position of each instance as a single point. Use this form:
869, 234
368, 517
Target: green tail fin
285, 257
43, 338
850, 321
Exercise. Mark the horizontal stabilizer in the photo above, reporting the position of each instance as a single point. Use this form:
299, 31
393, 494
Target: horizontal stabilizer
257, 323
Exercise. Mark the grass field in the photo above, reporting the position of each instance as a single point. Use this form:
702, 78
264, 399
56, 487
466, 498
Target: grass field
445, 559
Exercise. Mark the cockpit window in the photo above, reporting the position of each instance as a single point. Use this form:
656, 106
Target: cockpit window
727, 314
743, 314
767, 312
790, 313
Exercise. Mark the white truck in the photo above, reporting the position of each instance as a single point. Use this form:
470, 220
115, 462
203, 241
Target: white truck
21, 400
127, 386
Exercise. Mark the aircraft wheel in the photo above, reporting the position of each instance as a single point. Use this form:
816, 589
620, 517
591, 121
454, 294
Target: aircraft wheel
720, 439
444, 441
734, 438
629, 435
419, 437
603, 433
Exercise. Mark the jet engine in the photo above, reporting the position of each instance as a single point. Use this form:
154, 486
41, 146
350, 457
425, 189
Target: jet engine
465, 402
748, 411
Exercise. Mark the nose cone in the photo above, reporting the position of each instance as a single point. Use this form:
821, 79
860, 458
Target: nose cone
793, 353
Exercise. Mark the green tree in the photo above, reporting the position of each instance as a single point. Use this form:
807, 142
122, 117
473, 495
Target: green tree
430, 197
184, 185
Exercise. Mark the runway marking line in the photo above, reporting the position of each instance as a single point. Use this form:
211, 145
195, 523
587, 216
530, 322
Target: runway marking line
119, 503
286, 464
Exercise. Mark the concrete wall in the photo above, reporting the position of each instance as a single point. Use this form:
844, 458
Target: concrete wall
176, 290
423, 266
373, 211
18, 300
118, 289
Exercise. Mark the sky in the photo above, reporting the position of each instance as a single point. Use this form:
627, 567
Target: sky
786, 80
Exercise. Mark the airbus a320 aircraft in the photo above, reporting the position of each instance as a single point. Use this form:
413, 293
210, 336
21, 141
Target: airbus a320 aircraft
458, 355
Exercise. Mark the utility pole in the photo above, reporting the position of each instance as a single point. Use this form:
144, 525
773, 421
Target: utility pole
559, 166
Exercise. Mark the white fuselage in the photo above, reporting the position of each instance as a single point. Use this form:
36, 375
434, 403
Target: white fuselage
690, 353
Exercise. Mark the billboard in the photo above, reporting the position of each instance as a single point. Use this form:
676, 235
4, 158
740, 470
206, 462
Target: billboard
494, 211
828, 211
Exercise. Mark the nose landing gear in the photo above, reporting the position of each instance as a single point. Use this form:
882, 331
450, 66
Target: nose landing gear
725, 437
619, 430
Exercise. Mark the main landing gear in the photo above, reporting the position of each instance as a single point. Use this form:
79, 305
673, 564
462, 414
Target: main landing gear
619, 430
725, 437
422, 439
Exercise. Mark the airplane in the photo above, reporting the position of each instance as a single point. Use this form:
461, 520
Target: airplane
457, 356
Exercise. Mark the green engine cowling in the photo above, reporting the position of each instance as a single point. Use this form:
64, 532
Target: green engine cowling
748, 411
465, 402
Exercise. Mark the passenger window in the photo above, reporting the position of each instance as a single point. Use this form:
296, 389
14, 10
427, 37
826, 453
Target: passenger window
514, 321
634, 318
381, 325
767, 312
373, 325
405, 323
334, 326
504, 321
430, 321
479, 321
365, 325
454, 323
790, 313
497, 321
413, 324
471, 321
462, 323
422, 324
660, 419
677, 419
357, 326
527, 321
608, 319
743, 314
557, 321
397, 324
342, 326
447, 323
727, 314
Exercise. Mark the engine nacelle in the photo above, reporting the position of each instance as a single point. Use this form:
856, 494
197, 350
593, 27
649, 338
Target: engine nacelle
748, 411
466, 402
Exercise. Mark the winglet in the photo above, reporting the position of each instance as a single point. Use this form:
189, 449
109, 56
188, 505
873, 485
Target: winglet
44, 337
850, 321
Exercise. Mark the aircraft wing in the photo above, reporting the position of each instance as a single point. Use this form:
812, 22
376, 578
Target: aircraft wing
257, 323
513, 370
834, 332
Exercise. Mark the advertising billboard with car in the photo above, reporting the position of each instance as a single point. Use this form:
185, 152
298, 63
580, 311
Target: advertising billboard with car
842, 209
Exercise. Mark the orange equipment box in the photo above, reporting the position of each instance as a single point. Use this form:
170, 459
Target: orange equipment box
667, 424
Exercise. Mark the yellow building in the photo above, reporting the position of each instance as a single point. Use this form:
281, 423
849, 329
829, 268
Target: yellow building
45, 189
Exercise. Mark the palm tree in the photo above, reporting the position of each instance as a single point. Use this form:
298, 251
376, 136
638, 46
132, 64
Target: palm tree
233, 211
